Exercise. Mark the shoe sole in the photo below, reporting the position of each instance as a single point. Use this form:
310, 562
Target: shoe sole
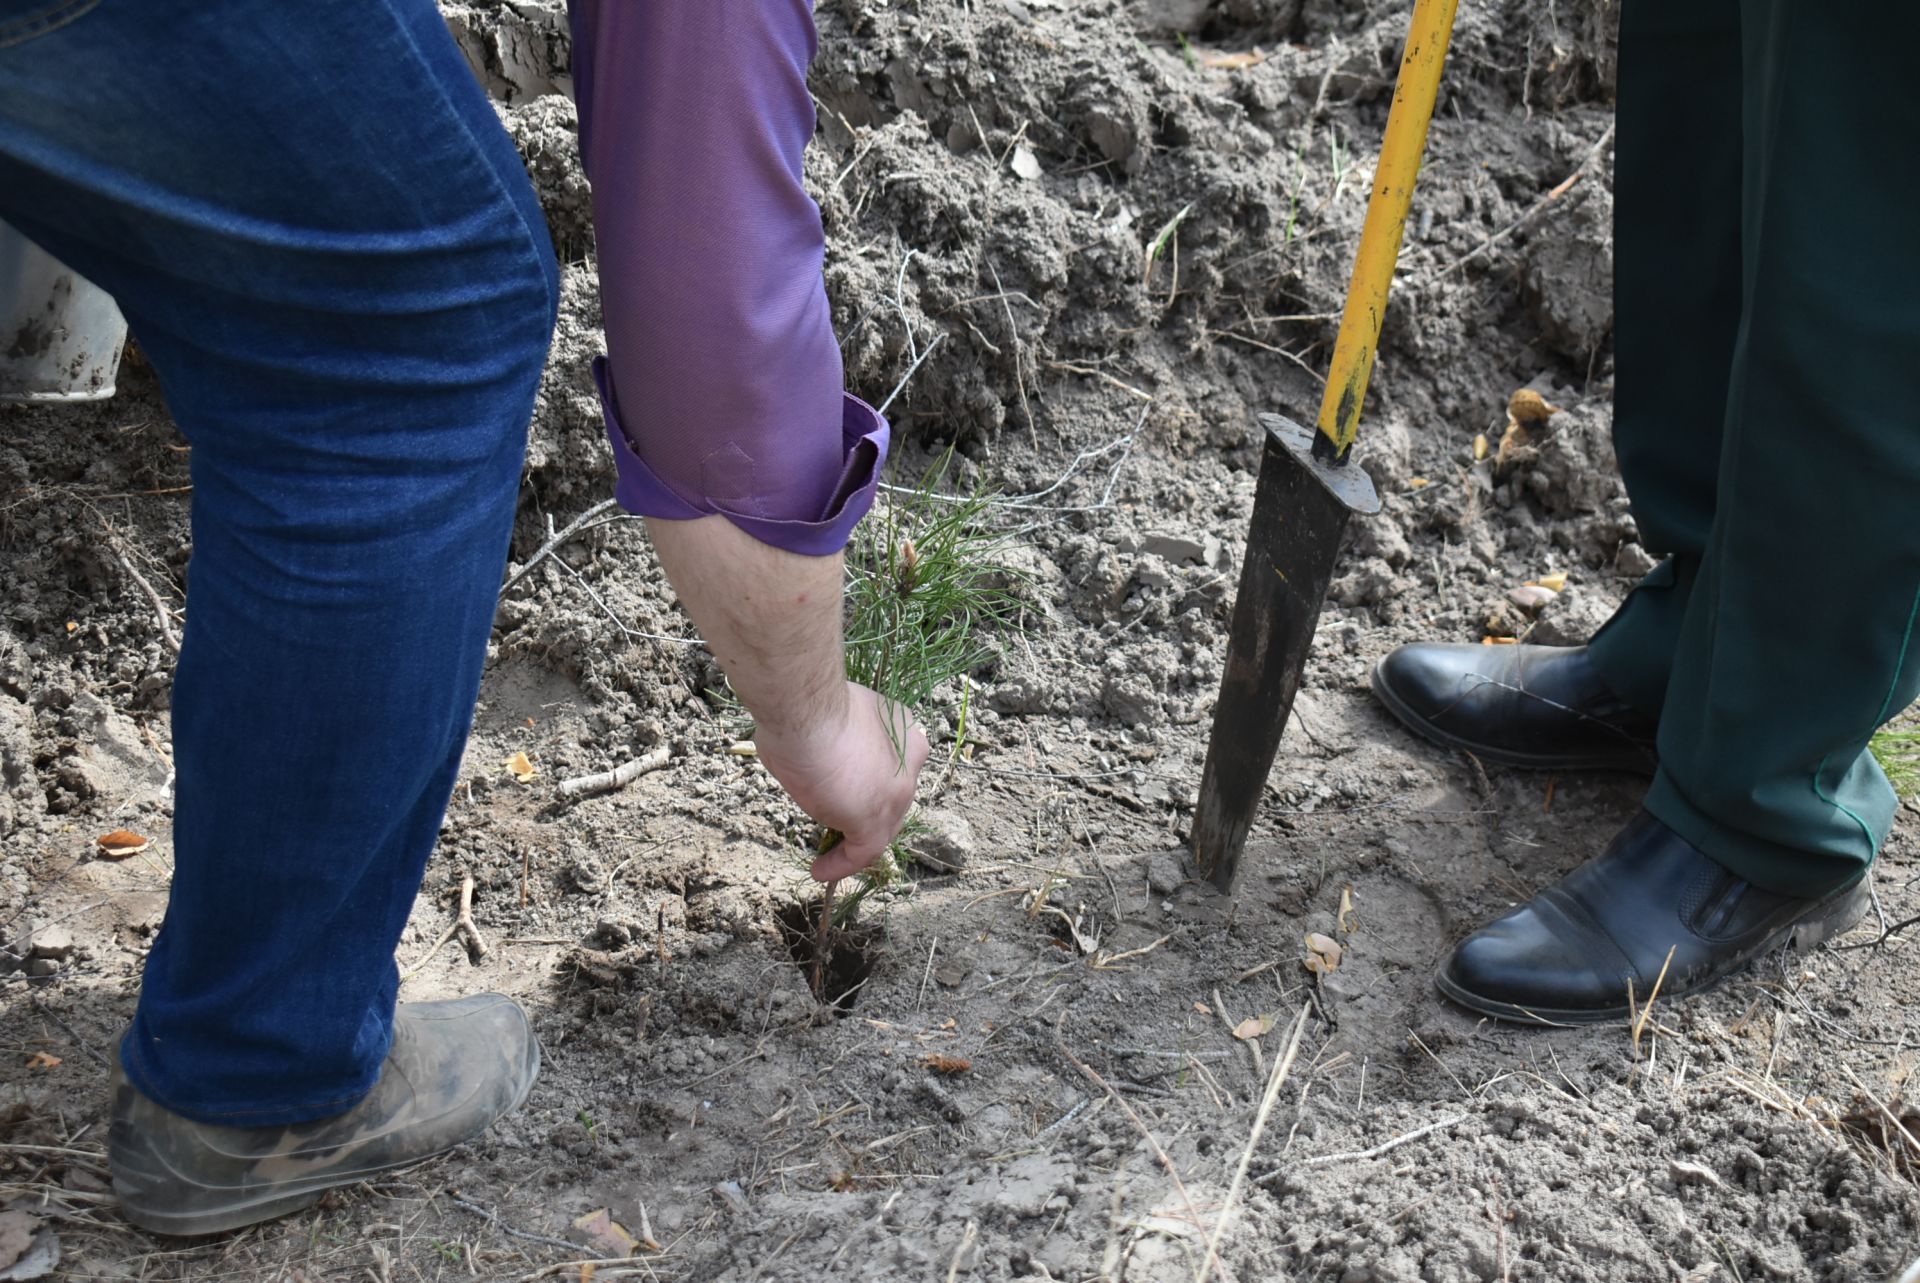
1413, 721
1820, 924
270, 1204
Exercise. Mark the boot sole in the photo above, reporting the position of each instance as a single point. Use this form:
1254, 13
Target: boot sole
269, 1203
1413, 721
1820, 924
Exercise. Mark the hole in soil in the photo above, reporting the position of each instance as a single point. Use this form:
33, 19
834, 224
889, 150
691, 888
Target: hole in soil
851, 954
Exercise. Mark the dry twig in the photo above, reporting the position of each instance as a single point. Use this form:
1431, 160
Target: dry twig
554, 541
1280, 1068
1641, 1017
1159, 1153
1359, 1155
463, 924
1555, 193
493, 1218
1893, 1119
607, 781
159, 605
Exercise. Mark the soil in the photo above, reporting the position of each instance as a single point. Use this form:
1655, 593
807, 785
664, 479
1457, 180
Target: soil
1045, 1007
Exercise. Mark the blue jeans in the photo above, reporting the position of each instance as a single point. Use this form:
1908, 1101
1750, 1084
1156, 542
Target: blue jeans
330, 252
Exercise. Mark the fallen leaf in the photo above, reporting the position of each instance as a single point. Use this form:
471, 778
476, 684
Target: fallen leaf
940, 1064
1253, 1027
1025, 164
1528, 406
28, 1248
1233, 61
1557, 581
1480, 447
1419, 483
522, 767
120, 844
1516, 437
1498, 641
41, 1060
1344, 920
1203, 1008
1323, 953
604, 1234
587, 1272
72, 627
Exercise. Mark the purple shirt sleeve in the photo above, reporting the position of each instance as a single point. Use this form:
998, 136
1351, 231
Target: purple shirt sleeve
722, 384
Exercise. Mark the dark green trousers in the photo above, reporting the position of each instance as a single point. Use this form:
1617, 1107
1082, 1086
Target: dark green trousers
1767, 418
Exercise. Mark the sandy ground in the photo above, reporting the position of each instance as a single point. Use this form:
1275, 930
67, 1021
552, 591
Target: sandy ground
993, 172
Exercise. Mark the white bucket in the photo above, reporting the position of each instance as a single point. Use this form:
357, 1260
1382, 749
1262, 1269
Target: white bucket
60, 334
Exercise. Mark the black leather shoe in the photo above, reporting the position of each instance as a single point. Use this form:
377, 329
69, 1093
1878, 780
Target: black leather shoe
1542, 707
1567, 955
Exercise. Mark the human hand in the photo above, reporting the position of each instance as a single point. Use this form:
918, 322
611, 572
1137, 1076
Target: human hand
852, 773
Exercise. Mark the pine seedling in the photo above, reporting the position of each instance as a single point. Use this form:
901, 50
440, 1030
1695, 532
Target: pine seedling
927, 587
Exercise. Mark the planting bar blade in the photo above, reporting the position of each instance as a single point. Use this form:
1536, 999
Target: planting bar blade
1300, 512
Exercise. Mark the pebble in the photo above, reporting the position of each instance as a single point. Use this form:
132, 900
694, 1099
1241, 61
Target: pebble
53, 942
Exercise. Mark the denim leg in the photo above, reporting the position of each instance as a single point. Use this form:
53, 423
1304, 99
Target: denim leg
329, 251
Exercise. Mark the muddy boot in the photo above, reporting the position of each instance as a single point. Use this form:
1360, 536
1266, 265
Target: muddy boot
1542, 707
454, 1068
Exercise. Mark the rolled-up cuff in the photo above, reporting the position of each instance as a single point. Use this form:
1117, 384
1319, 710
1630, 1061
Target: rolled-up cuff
864, 439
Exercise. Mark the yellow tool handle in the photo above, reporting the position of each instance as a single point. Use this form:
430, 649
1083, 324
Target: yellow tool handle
1413, 98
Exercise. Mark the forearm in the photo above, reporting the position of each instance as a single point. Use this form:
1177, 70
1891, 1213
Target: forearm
772, 618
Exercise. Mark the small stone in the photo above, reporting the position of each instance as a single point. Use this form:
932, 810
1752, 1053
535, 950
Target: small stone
1570, 619
947, 844
1153, 574
77, 1178
1685, 1173
53, 942
730, 1193
586, 875
1633, 561
1166, 873
1174, 548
